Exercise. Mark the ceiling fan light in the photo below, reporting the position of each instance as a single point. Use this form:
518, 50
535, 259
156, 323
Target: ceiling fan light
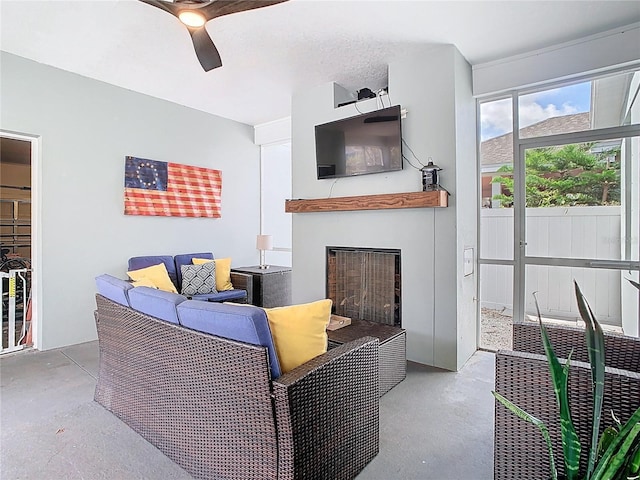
191, 18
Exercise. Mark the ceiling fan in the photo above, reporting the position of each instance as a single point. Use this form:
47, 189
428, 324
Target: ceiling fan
195, 14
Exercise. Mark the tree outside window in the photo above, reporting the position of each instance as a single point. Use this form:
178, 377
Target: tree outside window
583, 174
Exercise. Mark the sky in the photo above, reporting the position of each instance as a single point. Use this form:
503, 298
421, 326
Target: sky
496, 116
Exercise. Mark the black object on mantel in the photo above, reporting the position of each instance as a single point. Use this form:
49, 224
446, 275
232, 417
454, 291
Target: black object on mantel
365, 93
430, 180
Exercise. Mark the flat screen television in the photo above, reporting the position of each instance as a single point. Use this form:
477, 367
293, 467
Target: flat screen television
367, 143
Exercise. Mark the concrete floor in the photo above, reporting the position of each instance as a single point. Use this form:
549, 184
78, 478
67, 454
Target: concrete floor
435, 425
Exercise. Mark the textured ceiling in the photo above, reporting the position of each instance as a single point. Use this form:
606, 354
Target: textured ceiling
270, 53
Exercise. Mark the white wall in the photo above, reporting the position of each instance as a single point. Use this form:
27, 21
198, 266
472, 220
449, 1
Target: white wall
439, 124
466, 209
86, 129
618, 47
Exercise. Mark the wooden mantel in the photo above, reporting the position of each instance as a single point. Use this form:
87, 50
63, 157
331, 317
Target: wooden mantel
437, 198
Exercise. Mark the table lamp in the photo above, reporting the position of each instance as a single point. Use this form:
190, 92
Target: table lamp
263, 243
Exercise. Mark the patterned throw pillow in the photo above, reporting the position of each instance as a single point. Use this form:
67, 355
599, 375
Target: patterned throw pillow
199, 279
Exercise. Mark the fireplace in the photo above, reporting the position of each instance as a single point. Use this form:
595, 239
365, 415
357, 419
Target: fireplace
365, 283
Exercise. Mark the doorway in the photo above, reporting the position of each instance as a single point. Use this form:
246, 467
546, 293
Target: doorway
591, 243
559, 172
275, 188
16, 240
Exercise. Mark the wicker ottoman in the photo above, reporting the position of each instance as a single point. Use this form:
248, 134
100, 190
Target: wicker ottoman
392, 349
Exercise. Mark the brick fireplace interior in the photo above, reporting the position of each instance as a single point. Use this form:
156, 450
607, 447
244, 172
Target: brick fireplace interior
365, 284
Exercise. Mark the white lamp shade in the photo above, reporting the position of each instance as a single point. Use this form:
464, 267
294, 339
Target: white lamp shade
264, 242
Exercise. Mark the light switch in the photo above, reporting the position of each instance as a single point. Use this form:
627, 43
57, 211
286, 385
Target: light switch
468, 262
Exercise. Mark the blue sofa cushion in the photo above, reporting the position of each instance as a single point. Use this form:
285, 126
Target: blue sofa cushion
224, 296
114, 288
187, 259
237, 322
136, 263
157, 303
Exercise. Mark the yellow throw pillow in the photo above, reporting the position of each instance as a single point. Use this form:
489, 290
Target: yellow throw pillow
299, 332
223, 272
156, 274
144, 282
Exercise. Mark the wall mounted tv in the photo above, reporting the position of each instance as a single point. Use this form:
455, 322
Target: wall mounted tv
367, 143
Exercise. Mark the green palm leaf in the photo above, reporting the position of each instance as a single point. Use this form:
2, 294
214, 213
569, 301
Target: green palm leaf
615, 456
595, 346
535, 421
560, 375
634, 462
621, 457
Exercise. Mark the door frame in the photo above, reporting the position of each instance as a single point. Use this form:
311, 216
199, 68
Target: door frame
36, 228
521, 260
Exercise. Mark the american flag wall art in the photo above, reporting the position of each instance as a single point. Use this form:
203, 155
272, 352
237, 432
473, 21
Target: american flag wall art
170, 189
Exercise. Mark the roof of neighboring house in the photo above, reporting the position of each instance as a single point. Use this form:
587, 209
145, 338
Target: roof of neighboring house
499, 150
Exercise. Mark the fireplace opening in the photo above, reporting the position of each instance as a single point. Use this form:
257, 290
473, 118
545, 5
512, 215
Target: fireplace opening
365, 284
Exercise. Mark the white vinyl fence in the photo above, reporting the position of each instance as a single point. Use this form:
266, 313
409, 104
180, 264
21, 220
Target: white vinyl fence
574, 232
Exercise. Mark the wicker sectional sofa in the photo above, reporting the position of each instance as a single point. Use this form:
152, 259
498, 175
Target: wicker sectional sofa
242, 291
217, 406
523, 377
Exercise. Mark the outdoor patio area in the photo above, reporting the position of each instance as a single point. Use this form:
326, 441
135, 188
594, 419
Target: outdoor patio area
497, 331
52, 428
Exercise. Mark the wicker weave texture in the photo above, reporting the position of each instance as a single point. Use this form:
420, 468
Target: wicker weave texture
621, 351
275, 289
328, 413
271, 287
519, 449
242, 281
393, 362
203, 401
209, 405
393, 353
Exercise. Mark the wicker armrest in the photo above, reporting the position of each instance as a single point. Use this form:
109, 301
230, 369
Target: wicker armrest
243, 281
327, 413
204, 401
621, 351
523, 378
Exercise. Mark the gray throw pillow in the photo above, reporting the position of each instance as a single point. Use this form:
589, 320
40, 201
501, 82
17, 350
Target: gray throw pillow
199, 279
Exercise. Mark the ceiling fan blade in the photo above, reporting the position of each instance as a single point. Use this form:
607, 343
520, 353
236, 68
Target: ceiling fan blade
218, 8
166, 6
205, 49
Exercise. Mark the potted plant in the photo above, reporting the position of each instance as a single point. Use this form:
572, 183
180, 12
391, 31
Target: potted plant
615, 454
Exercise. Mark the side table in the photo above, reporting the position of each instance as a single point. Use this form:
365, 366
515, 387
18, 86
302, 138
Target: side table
271, 286
392, 349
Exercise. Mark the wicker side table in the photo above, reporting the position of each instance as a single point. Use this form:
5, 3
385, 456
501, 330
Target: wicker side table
271, 286
392, 349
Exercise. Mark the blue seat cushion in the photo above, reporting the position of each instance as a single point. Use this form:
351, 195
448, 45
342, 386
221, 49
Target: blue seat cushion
157, 303
187, 259
224, 296
114, 288
244, 323
136, 263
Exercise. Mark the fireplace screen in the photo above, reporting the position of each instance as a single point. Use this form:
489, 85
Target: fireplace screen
364, 284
